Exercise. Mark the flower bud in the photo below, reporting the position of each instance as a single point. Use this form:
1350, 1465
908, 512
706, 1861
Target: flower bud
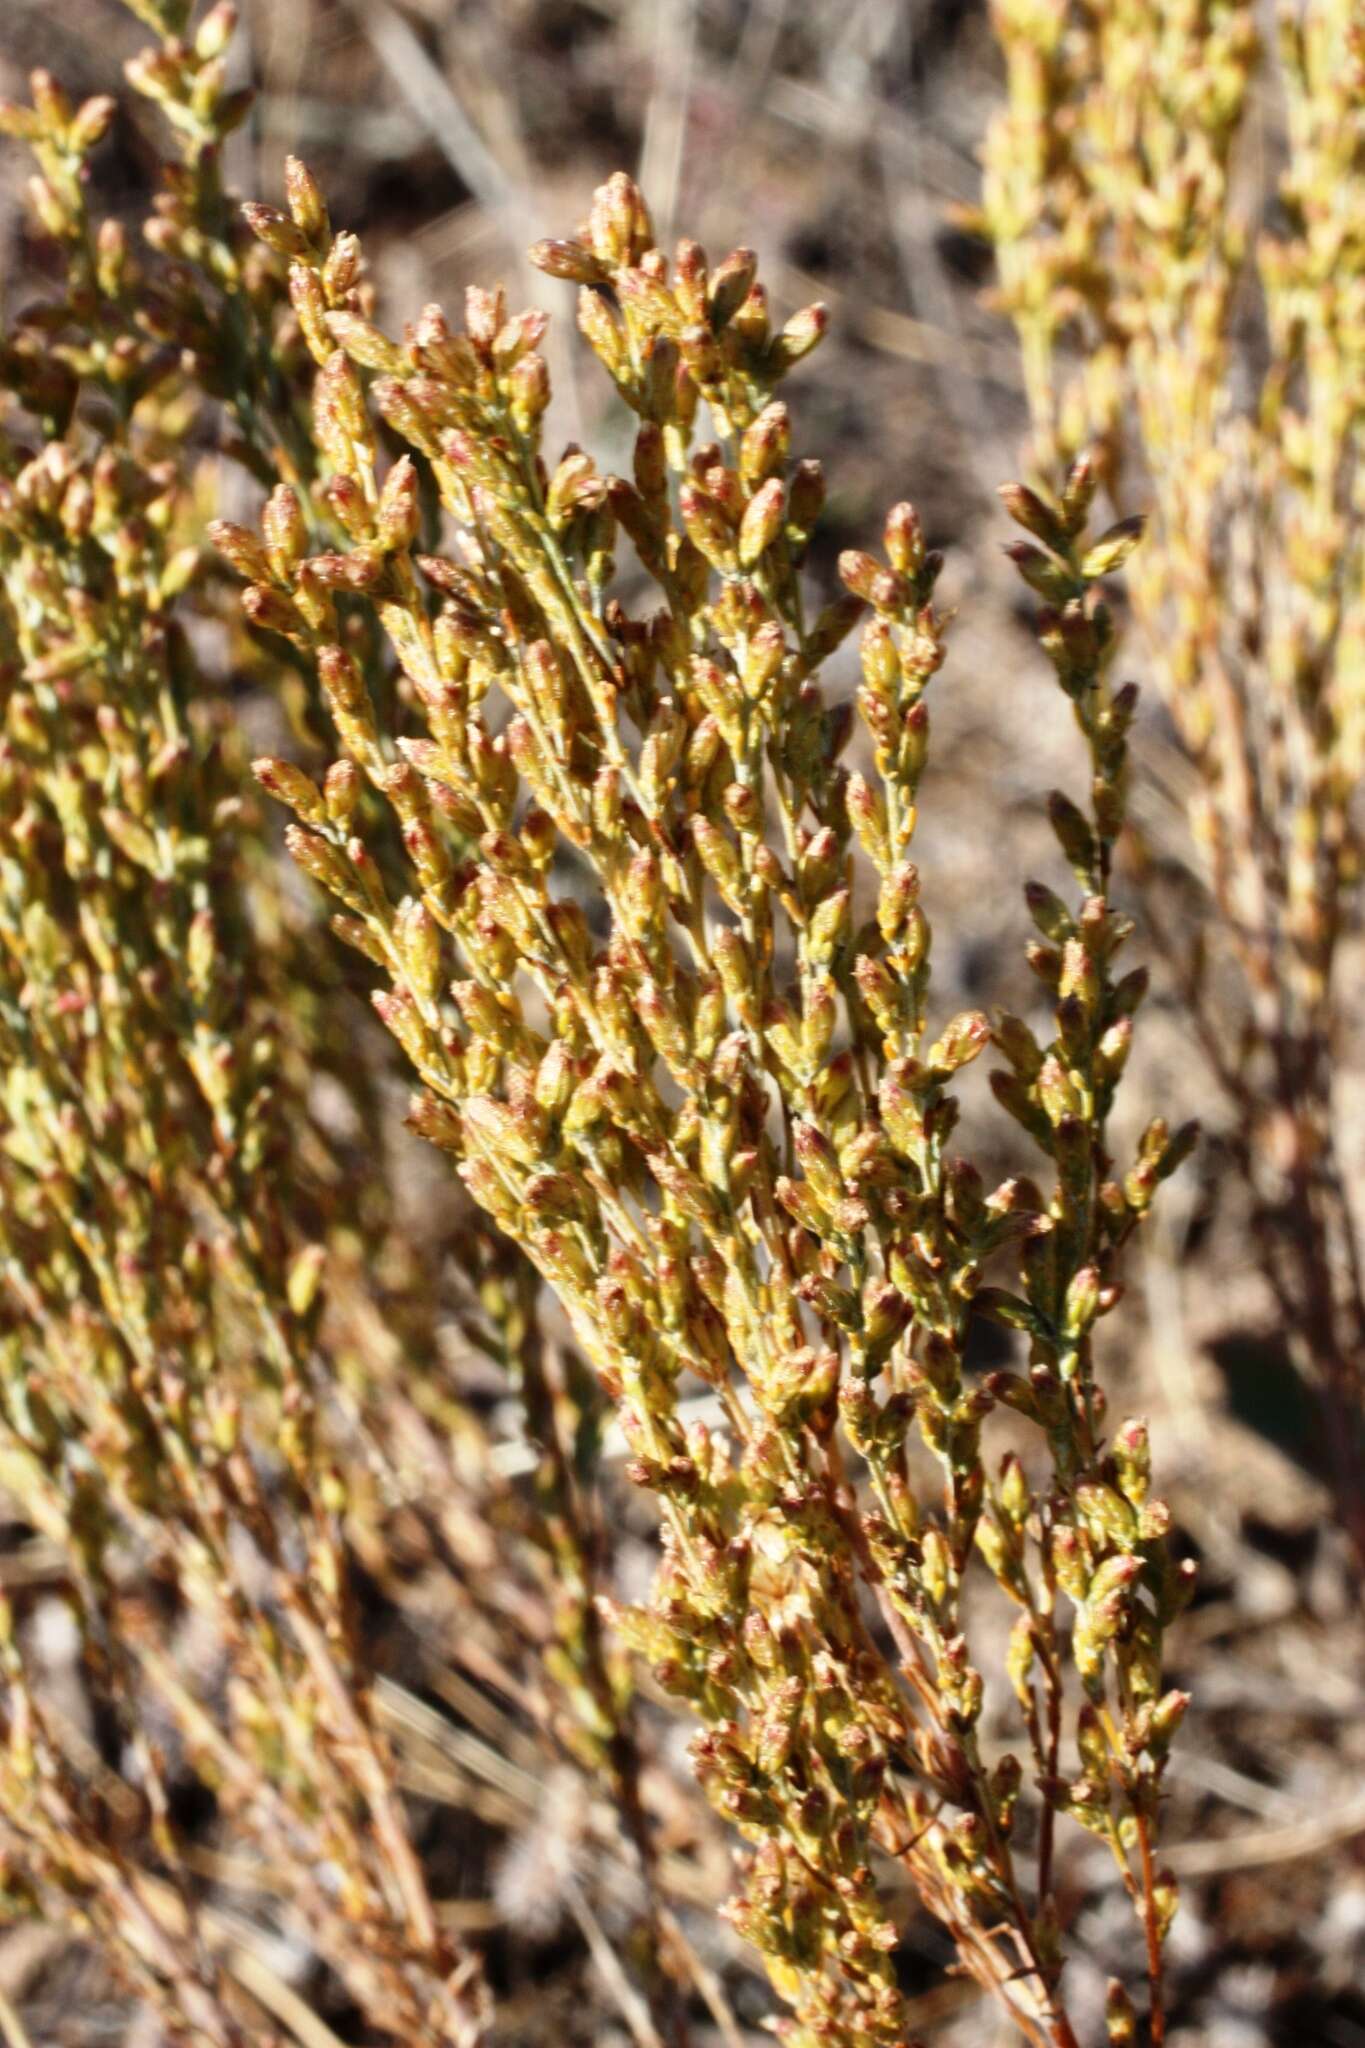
275, 229
731, 283
765, 444
285, 531
290, 785
306, 203
399, 516
1112, 549
573, 261
241, 548
762, 522
803, 332
904, 540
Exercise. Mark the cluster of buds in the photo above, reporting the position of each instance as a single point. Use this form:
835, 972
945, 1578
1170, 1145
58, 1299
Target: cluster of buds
1133, 264
688, 1067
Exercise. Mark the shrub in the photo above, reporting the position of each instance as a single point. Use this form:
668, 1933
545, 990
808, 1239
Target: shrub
659, 961
1164, 323
720, 1127
162, 1402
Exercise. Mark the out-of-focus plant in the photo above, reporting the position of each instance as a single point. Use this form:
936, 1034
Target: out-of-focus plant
159, 1416
1162, 319
676, 1033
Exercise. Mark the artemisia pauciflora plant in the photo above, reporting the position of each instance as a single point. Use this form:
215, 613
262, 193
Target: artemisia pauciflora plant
661, 965
636, 883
